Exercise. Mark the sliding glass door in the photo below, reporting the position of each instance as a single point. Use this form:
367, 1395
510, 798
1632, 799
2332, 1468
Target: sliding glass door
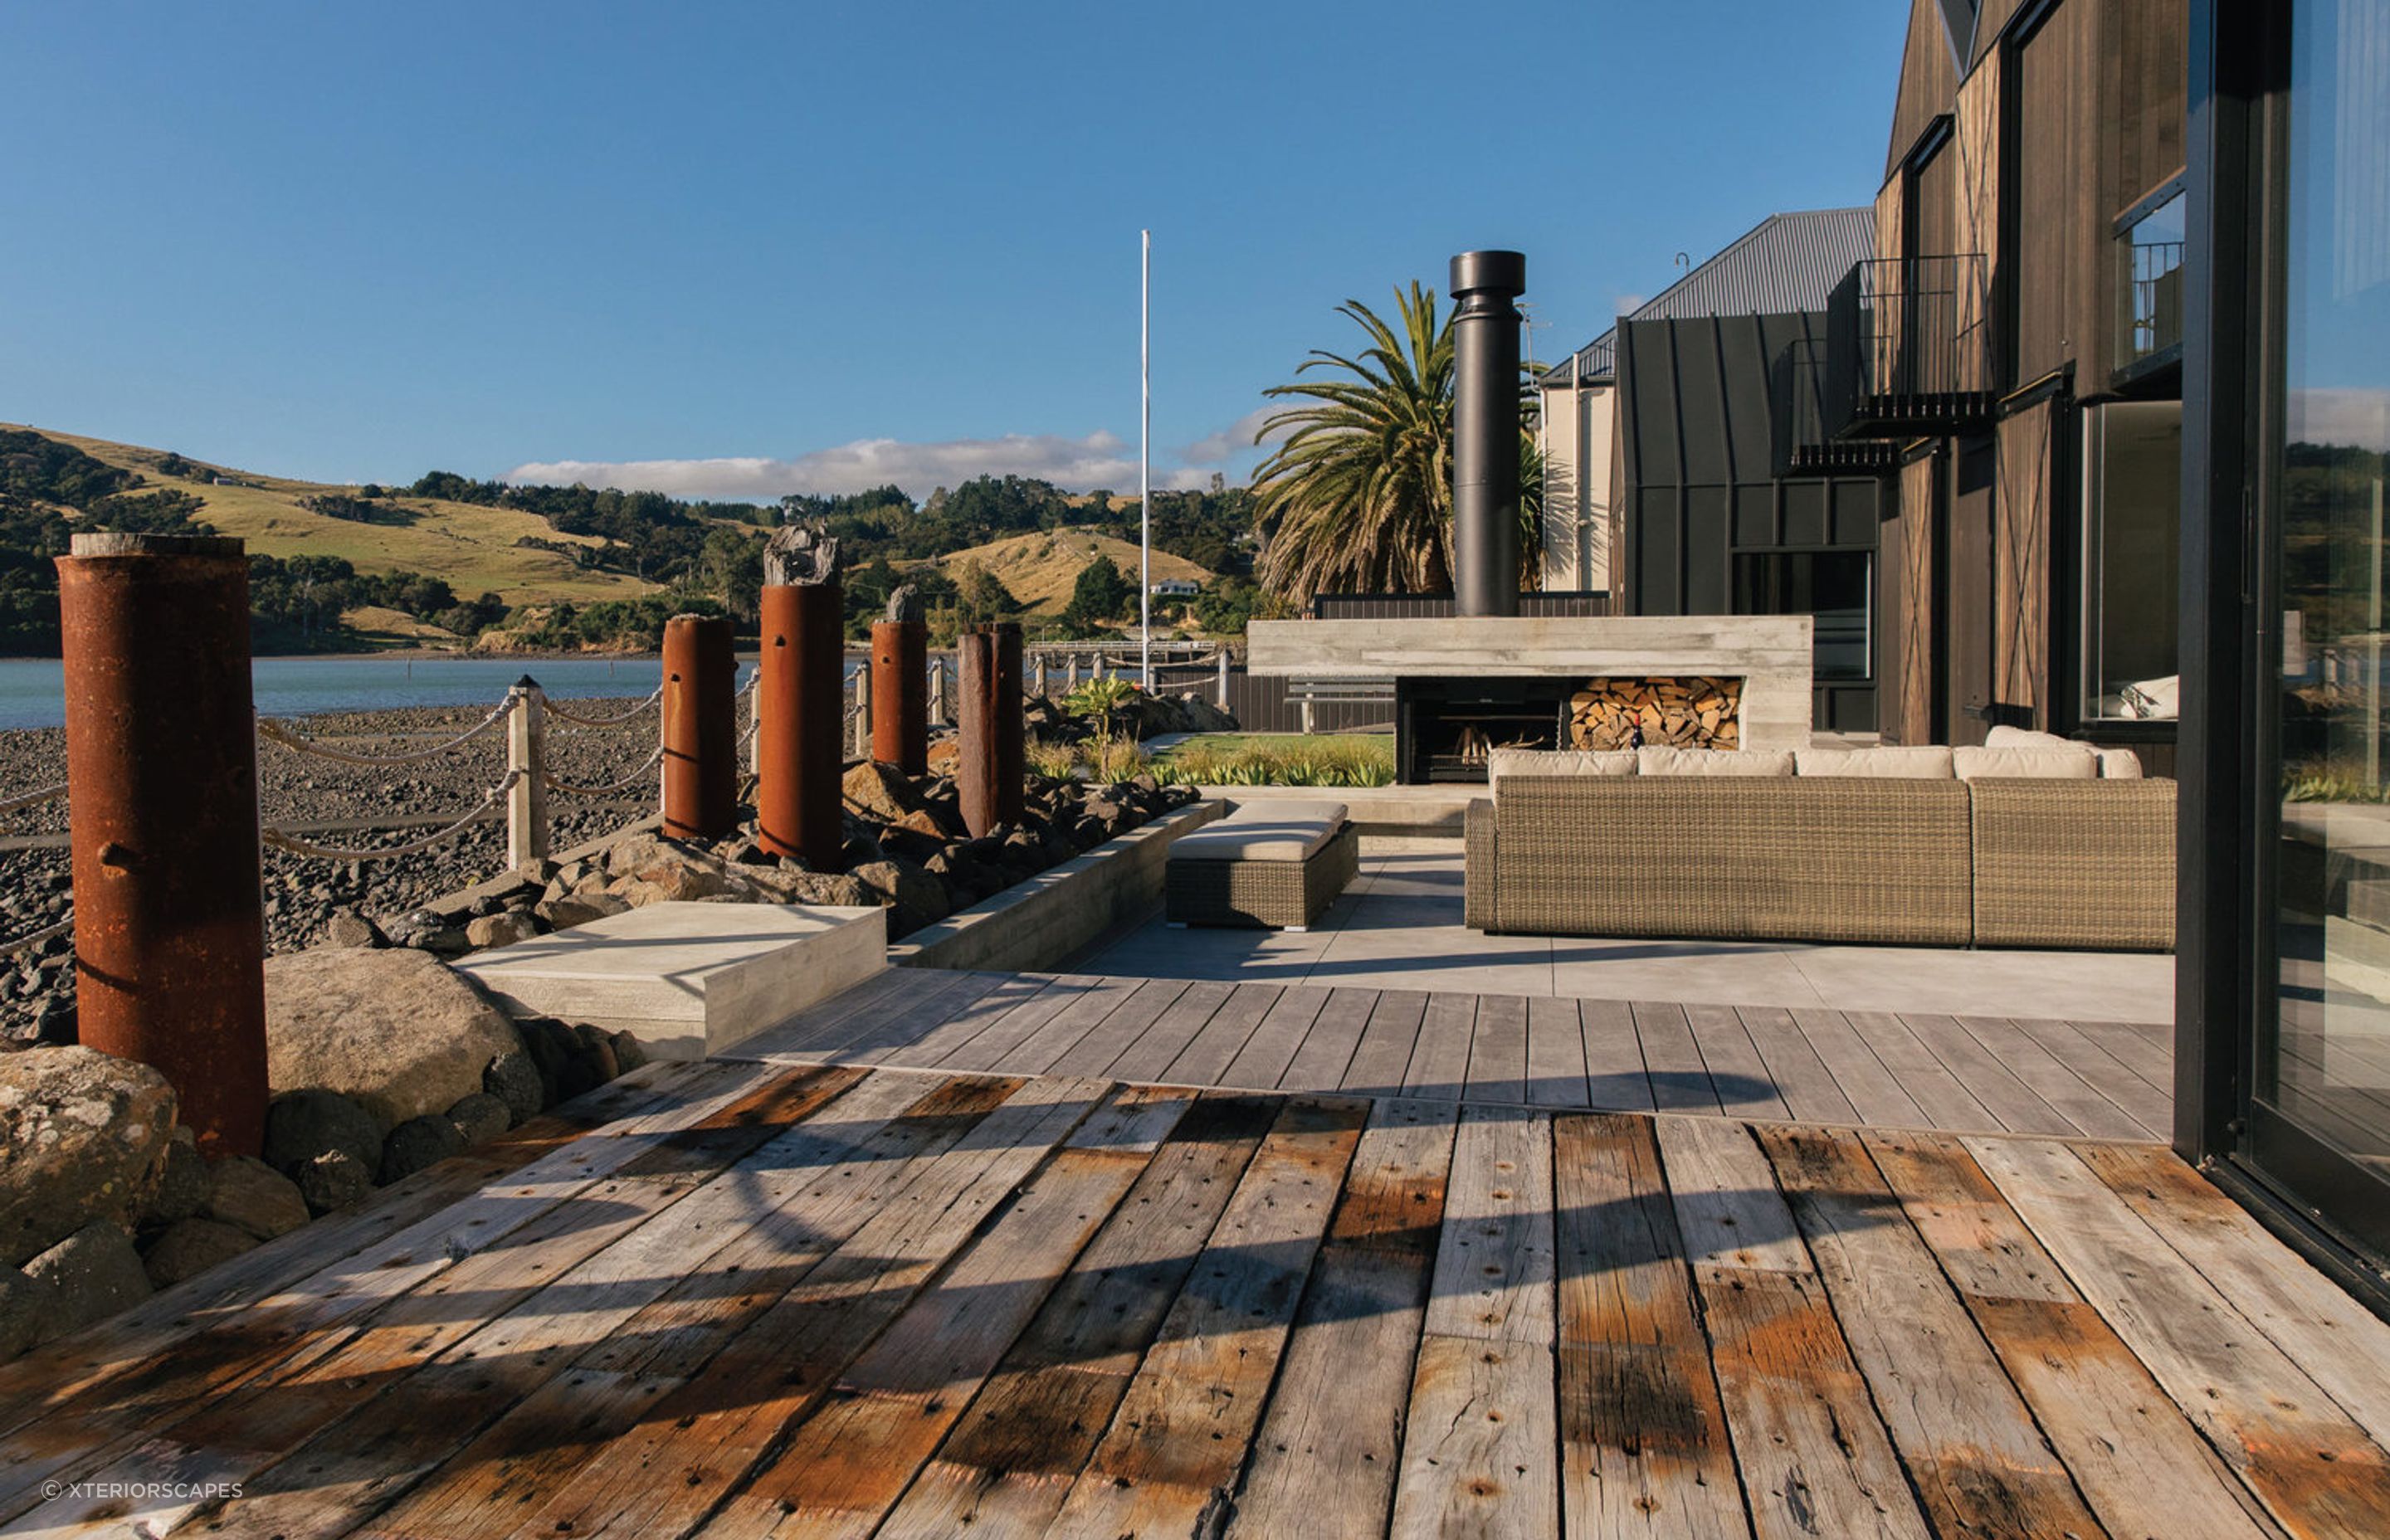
2318, 1121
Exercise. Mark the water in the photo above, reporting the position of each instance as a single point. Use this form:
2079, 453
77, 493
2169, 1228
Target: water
31, 694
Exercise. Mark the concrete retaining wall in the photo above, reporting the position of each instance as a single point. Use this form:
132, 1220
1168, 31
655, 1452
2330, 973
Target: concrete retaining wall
1037, 923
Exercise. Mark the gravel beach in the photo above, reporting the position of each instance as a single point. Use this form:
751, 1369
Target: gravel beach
347, 806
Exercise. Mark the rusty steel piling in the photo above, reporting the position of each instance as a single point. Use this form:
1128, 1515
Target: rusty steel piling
802, 697
900, 695
990, 768
700, 728
161, 769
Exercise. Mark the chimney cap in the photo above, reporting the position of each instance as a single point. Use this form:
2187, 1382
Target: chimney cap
1502, 272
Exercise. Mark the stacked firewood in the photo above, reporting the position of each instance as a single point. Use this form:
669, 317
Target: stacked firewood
1685, 713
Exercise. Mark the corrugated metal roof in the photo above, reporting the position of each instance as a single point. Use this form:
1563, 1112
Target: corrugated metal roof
1786, 263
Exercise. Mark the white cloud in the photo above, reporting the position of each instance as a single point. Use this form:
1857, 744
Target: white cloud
1232, 443
1078, 464
2348, 417
1628, 304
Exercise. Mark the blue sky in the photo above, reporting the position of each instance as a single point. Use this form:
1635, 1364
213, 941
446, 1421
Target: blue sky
743, 250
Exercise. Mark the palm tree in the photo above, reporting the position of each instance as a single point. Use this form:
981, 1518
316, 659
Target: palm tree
1360, 486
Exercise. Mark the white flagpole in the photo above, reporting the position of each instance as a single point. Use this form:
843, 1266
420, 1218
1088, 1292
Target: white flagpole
1144, 459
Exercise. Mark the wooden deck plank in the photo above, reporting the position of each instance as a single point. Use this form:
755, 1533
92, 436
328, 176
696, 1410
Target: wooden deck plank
824, 1020
1680, 1082
1974, 1453
841, 1470
940, 1035
1477, 1454
974, 1052
1328, 1048
1808, 1086
1494, 1266
1325, 1459
2145, 1050
1383, 1055
1038, 1052
1439, 1066
2053, 1082
2142, 1467
1262, 1062
1616, 1079
1945, 1100
729, 1358
2151, 1106
2340, 1343
1174, 1447
1644, 1449
823, 1182
1815, 1459
1150, 1057
1738, 1073
1988, 1077
1874, 1094
1206, 1060
493, 1307
1498, 1051
900, 1033
921, 994
1556, 1070
1117, 1033
1007, 1465
310, 1320
2313, 1466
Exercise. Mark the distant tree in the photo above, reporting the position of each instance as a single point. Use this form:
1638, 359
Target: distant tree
730, 569
1100, 593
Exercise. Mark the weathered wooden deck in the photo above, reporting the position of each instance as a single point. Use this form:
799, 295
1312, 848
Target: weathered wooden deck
1958, 1074
847, 1300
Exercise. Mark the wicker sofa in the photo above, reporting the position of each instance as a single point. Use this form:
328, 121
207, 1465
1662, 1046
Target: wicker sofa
1907, 859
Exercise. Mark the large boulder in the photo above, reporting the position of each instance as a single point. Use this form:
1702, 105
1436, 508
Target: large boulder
82, 1137
397, 1031
92, 1274
881, 792
192, 1246
250, 1195
302, 1125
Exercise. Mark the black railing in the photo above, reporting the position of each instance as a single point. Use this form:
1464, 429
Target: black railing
2152, 310
1909, 347
1805, 441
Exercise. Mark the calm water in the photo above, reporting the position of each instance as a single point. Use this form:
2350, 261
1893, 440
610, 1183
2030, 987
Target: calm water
30, 694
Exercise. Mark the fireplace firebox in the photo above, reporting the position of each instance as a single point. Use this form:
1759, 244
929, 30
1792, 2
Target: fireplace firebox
1444, 726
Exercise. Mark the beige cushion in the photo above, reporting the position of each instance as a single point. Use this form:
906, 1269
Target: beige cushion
2024, 738
1262, 830
2075, 763
1924, 762
1712, 762
1559, 761
2118, 765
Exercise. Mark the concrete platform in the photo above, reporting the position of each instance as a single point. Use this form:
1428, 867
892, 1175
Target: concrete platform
688, 980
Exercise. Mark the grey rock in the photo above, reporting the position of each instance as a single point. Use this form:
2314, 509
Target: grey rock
881, 792
907, 886
82, 1137
418, 1143
562, 914
598, 1051
250, 1195
347, 928
333, 1180
302, 1125
25, 1312
629, 1052
480, 1116
513, 1078
190, 1247
183, 1182
95, 1273
502, 929
396, 1032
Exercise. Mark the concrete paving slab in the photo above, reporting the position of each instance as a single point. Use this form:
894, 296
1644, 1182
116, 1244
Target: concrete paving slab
688, 979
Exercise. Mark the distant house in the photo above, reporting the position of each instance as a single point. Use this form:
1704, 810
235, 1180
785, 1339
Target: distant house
1177, 588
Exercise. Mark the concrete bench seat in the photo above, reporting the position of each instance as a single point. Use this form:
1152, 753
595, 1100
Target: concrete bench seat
1275, 864
688, 979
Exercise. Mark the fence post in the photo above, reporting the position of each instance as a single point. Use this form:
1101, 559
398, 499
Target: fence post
1038, 674
162, 772
1223, 677
863, 709
938, 690
700, 728
527, 756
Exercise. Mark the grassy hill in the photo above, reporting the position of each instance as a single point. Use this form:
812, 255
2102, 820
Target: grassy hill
1040, 568
471, 547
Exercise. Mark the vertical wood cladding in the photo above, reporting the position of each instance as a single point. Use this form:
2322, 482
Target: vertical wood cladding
2146, 67
1928, 78
2022, 531
1967, 571
1975, 154
2051, 167
1934, 225
1910, 641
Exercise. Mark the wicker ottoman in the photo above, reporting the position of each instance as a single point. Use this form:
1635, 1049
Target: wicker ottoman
1277, 864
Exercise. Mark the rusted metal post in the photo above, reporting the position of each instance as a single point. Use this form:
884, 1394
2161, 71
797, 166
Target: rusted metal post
989, 771
700, 728
900, 695
161, 771
527, 762
803, 696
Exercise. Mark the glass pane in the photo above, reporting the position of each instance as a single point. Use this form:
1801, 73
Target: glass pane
2132, 586
1830, 586
2149, 255
2325, 1065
